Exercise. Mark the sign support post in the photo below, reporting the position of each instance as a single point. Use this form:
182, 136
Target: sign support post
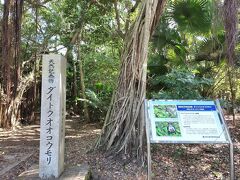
149, 159
231, 161
231, 155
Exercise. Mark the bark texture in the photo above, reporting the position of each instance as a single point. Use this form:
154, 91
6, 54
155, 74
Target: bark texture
82, 83
12, 17
123, 130
231, 31
230, 23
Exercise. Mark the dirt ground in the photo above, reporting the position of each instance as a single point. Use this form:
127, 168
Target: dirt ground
19, 150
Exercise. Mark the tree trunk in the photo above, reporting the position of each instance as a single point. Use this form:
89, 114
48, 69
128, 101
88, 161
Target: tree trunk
12, 17
230, 23
124, 124
74, 89
82, 84
35, 96
232, 86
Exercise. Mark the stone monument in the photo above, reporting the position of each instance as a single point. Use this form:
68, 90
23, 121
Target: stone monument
53, 100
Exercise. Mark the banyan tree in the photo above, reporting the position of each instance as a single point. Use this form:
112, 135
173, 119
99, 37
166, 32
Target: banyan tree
124, 130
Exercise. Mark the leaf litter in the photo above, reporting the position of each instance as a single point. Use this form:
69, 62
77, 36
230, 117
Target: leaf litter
169, 161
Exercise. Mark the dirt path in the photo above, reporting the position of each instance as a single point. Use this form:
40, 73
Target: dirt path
19, 150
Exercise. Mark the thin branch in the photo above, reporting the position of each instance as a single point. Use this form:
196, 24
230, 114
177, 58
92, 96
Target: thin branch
36, 3
117, 17
135, 6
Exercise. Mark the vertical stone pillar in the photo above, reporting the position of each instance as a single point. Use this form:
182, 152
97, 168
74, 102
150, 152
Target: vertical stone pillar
53, 108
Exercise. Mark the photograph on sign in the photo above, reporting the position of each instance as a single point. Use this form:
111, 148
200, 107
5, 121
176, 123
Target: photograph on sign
185, 121
165, 111
167, 129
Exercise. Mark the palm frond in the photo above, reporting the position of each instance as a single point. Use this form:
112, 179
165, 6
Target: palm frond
191, 15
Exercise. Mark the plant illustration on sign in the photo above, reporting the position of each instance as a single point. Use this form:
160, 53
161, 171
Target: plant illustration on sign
168, 129
165, 111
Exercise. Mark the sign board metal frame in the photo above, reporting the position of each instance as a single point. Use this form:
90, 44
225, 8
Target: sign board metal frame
224, 130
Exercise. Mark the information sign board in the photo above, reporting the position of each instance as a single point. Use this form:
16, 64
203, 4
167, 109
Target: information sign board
172, 121
185, 121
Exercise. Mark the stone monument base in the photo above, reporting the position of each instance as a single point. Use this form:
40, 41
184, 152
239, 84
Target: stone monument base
80, 172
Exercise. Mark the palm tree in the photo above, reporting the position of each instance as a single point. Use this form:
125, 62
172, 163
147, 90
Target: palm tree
193, 16
171, 49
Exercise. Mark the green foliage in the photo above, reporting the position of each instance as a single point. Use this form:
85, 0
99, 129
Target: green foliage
92, 99
101, 72
168, 41
192, 15
99, 52
180, 84
182, 65
212, 49
184, 54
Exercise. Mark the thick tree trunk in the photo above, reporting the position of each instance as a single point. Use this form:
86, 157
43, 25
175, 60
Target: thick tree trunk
230, 23
124, 124
35, 96
10, 59
231, 31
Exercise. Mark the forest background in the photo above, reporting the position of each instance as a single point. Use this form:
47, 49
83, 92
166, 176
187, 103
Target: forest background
117, 55
188, 53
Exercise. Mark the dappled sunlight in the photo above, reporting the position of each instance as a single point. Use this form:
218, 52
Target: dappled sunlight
81, 135
26, 133
97, 64
16, 145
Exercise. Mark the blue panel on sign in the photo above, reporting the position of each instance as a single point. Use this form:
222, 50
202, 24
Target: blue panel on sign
196, 108
185, 121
